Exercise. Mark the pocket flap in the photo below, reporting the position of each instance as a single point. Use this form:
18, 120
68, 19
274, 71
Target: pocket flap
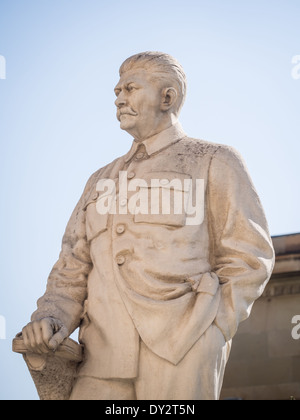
167, 197
167, 179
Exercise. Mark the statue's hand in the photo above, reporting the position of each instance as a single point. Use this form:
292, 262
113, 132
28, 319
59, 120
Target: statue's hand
44, 335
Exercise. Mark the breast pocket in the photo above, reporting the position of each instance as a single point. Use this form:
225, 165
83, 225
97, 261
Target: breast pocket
163, 197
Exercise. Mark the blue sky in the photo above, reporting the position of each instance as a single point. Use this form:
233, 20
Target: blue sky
58, 125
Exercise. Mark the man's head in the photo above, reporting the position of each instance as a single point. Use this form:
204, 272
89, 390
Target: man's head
150, 93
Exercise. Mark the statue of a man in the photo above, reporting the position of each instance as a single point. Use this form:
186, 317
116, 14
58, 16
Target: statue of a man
163, 257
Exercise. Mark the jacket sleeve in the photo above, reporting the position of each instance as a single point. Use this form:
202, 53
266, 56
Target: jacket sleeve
241, 249
67, 282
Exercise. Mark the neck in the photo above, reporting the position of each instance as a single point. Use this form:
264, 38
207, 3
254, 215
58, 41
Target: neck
162, 126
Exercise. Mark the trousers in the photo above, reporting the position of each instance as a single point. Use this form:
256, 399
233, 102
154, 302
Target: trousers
198, 376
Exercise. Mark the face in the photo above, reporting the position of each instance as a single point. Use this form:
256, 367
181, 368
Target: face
139, 104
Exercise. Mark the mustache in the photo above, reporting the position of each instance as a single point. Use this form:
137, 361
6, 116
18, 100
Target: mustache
126, 111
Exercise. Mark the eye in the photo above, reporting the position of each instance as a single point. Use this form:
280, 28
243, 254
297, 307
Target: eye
130, 88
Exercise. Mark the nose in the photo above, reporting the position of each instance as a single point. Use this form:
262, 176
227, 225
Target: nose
121, 100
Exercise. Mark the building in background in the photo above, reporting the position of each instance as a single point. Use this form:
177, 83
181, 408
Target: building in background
265, 357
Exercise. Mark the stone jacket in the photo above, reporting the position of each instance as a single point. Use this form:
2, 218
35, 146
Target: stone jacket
201, 255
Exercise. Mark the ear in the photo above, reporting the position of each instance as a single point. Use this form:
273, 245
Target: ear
169, 97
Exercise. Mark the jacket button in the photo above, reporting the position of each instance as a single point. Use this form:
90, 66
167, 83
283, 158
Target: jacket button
131, 175
140, 155
123, 202
121, 260
120, 229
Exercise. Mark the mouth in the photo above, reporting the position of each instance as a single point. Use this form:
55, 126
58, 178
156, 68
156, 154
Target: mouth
133, 114
126, 114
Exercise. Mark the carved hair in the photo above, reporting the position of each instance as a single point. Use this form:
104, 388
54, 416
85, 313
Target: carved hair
163, 66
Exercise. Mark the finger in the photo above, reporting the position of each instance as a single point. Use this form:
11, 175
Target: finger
56, 325
25, 337
58, 338
30, 339
38, 335
47, 331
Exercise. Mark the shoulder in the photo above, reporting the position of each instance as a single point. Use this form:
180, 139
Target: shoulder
220, 155
104, 172
227, 164
228, 155
197, 147
204, 147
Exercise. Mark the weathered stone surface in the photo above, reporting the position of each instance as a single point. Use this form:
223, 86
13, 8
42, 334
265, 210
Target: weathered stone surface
164, 254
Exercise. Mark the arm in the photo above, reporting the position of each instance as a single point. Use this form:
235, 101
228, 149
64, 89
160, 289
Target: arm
242, 254
60, 309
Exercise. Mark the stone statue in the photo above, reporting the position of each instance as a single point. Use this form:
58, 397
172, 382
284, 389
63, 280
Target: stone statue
163, 257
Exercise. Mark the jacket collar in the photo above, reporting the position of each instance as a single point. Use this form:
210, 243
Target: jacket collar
158, 142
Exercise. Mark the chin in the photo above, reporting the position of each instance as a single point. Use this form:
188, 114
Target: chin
126, 125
